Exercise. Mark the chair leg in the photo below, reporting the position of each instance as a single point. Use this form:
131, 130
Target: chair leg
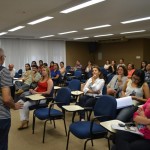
92, 142
44, 130
86, 143
108, 143
65, 126
33, 124
68, 140
54, 124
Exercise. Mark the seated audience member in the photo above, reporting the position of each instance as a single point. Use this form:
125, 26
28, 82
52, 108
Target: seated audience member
107, 64
30, 80
147, 74
121, 63
40, 66
51, 67
33, 63
143, 65
116, 84
62, 69
92, 88
138, 89
130, 141
88, 70
114, 66
130, 69
56, 75
45, 64
78, 65
12, 70
44, 87
109, 75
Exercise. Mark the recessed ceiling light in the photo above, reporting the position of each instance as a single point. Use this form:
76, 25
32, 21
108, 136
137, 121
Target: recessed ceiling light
67, 32
81, 38
2, 33
96, 27
80, 6
40, 20
136, 20
16, 28
133, 32
103, 35
42, 37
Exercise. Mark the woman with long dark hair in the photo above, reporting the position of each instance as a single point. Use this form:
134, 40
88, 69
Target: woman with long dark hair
138, 89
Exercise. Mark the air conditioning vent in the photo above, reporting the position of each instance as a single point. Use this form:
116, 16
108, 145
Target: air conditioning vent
114, 40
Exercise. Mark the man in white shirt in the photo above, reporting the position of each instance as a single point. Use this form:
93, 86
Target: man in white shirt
11, 70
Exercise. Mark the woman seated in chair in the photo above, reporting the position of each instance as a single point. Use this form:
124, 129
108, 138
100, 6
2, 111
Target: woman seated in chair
93, 87
56, 75
138, 89
116, 84
45, 85
129, 141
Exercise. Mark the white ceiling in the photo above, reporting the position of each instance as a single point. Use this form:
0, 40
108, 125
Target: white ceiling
20, 12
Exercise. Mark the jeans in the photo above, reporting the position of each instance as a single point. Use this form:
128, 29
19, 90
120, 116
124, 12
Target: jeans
126, 114
4, 130
130, 141
86, 101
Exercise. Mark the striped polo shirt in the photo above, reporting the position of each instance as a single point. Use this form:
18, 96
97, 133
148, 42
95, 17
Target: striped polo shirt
5, 81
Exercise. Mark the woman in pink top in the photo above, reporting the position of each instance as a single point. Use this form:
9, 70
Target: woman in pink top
130, 69
130, 141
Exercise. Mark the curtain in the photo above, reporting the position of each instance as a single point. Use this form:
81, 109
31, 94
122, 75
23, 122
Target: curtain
19, 51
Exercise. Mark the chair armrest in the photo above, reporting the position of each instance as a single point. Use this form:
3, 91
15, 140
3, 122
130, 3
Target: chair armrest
97, 118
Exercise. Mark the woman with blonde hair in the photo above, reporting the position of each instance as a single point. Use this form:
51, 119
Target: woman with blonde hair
44, 87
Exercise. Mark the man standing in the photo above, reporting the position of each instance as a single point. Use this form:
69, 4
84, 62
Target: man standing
6, 102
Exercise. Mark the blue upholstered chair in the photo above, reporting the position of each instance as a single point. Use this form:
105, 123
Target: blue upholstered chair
104, 110
62, 98
74, 85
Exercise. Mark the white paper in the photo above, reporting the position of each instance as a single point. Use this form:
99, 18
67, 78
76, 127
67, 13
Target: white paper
124, 102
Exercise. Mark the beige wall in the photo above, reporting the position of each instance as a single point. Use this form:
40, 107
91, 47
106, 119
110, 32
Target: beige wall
77, 51
146, 50
112, 51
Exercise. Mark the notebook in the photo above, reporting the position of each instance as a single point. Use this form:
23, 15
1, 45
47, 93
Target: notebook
124, 102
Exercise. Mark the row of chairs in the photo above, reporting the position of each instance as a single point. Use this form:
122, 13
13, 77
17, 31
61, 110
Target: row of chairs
105, 109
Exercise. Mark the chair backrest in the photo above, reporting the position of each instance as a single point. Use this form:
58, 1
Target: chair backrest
74, 85
68, 68
106, 106
18, 74
104, 91
63, 96
78, 74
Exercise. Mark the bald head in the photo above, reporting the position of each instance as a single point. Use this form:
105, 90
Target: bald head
10, 67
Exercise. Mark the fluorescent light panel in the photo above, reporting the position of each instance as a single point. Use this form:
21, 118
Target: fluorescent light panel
42, 37
133, 32
80, 6
97, 27
103, 35
2, 33
136, 20
40, 20
67, 32
81, 38
16, 28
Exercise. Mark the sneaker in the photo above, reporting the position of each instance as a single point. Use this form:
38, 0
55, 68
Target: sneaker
82, 119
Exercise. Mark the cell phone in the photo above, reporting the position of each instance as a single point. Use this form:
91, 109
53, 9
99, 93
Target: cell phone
121, 125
